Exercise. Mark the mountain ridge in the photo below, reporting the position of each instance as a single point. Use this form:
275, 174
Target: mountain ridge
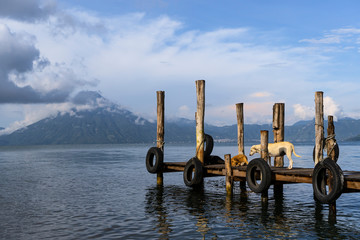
108, 123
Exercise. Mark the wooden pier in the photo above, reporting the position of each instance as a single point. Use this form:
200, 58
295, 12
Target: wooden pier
279, 174
327, 178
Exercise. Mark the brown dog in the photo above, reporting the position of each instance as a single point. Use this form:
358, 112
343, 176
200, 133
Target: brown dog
239, 160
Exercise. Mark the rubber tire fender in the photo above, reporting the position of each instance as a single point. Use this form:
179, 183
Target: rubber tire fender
265, 173
318, 181
151, 166
208, 145
336, 149
193, 172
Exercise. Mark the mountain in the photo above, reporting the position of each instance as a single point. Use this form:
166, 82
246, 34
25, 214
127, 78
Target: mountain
98, 121
101, 125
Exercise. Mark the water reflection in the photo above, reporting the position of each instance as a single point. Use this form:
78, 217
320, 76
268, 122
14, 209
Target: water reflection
213, 214
155, 205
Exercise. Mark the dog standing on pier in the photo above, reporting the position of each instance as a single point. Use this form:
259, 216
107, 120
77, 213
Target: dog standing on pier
278, 149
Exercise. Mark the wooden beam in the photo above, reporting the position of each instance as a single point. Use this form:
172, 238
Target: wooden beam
200, 113
278, 129
264, 145
229, 175
265, 155
331, 138
240, 127
160, 95
319, 126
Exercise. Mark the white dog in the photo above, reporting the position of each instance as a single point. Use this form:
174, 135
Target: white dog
276, 150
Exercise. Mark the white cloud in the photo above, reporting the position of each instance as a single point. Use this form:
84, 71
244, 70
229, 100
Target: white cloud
303, 112
134, 55
184, 112
260, 94
36, 112
328, 39
330, 108
259, 113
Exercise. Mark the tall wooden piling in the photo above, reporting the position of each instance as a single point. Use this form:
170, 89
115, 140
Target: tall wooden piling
330, 138
264, 145
265, 155
229, 175
240, 131
200, 113
240, 127
279, 132
160, 128
160, 119
319, 126
278, 129
329, 147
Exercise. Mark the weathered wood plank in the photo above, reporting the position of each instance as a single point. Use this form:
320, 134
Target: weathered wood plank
264, 154
240, 127
160, 95
200, 114
228, 174
278, 129
319, 126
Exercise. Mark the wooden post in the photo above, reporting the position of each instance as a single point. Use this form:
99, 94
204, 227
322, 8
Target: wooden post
160, 128
329, 146
229, 174
160, 120
264, 154
200, 113
264, 145
240, 130
240, 127
278, 129
319, 126
331, 135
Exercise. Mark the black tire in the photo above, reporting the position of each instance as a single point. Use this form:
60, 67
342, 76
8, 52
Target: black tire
193, 172
258, 164
151, 166
336, 149
319, 180
208, 145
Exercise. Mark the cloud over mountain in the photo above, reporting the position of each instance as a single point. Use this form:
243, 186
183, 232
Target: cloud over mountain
26, 77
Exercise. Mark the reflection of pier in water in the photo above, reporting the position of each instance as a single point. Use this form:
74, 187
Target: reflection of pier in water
215, 215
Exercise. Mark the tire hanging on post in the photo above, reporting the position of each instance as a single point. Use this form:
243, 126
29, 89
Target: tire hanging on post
258, 169
151, 166
324, 170
193, 172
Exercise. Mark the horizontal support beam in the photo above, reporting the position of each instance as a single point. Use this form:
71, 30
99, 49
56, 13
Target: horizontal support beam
279, 175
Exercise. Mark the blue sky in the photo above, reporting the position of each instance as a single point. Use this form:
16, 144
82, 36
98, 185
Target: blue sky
255, 52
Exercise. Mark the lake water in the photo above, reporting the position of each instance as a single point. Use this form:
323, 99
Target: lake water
105, 192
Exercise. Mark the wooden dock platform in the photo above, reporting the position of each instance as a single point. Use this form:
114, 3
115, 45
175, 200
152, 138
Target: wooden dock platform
327, 178
279, 174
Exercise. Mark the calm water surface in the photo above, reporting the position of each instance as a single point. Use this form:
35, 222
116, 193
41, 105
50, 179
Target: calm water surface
105, 192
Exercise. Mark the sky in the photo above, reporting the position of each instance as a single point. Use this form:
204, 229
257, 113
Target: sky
252, 52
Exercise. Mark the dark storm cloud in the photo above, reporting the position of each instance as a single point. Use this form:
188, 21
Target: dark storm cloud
18, 57
27, 10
